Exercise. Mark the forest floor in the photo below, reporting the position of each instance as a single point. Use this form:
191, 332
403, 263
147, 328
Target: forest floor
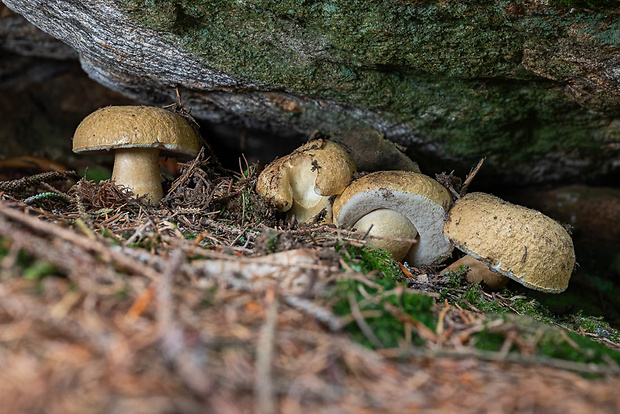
210, 303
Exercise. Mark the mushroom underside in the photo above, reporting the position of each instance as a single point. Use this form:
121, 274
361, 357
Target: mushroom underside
307, 200
426, 216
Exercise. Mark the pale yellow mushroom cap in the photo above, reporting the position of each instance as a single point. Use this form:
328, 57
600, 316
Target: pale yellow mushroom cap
419, 198
302, 182
516, 241
122, 127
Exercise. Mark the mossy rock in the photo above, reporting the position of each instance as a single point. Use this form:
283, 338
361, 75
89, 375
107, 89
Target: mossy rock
532, 87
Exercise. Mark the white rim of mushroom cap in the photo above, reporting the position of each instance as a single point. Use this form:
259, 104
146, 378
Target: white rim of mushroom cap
518, 242
417, 197
302, 182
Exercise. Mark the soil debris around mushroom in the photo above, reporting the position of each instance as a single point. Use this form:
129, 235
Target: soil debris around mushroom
111, 304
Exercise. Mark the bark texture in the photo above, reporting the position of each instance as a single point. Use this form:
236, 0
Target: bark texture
533, 87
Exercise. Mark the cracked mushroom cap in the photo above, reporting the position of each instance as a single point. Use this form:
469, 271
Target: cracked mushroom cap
407, 197
302, 182
518, 242
123, 127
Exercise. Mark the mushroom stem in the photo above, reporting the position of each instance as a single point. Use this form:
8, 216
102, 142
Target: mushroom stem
478, 272
138, 170
389, 224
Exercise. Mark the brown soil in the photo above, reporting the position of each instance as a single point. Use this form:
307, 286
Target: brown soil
134, 316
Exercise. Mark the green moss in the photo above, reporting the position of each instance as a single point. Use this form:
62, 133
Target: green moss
148, 242
190, 235
123, 293
525, 309
533, 322
546, 340
388, 329
365, 260
31, 268
388, 291
38, 270
594, 325
273, 241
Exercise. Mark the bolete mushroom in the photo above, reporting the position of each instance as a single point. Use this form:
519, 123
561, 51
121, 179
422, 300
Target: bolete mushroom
517, 242
398, 205
137, 134
478, 272
302, 182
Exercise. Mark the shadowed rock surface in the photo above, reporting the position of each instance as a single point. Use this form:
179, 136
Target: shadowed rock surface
533, 87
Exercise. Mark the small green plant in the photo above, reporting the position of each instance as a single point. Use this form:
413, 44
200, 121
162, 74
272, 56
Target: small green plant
27, 266
96, 173
38, 269
45, 196
147, 242
272, 242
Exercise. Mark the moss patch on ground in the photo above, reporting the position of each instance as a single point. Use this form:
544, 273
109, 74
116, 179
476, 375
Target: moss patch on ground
383, 298
528, 335
511, 324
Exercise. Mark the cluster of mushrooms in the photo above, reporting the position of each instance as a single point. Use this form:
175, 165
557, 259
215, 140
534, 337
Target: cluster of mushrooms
414, 217
407, 213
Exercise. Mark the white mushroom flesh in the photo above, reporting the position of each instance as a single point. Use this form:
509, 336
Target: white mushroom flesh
302, 179
307, 201
302, 183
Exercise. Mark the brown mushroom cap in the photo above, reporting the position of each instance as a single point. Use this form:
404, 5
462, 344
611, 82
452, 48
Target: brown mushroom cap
123, 127
520, 243
302, 182
419, 198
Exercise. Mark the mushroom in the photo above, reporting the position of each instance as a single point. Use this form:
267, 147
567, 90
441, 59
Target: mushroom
137, 134
478, 272
399, 205
515, 241
302, 182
